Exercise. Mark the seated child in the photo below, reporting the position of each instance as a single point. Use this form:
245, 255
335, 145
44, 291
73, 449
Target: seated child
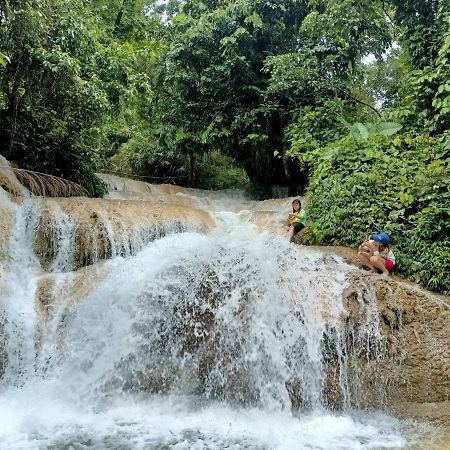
376, 254
296, 219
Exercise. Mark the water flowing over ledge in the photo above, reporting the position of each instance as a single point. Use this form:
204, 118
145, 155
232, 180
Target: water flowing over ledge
171, 317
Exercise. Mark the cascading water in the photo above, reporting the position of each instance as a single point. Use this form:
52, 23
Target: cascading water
195, 341
18, 313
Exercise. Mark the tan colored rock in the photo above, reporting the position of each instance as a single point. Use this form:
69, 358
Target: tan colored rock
271, 215
6, 218
437, 413
8, 180
408, 370
416, 332
171, 189
10, 189
102, 228
115, 183
395, 339
126, 189
264, 220
57, 292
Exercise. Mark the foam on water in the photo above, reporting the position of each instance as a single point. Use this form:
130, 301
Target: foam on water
195, 342
19, 276
42, 421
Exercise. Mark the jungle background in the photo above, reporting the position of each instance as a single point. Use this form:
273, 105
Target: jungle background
345, 101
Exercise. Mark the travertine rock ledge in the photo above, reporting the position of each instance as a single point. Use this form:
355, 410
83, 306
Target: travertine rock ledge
99, 228
406, 368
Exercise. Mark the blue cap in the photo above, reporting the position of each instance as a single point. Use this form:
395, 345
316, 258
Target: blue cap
383, 238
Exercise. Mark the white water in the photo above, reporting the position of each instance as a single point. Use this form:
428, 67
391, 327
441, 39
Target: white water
189, 344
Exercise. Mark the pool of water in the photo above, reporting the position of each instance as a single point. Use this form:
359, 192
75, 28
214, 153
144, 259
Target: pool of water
34, 418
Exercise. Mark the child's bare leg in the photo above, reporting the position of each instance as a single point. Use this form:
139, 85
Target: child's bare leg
364, 259
378, 262
291, 231
286, 228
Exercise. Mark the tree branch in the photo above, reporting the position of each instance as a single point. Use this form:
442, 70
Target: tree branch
119, 17
358, 101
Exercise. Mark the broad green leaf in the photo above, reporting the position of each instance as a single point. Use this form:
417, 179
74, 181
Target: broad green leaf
360, 130
388, 128
345, 123
371, 128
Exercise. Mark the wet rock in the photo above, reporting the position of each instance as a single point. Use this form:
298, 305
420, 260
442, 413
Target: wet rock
394, 348
6, 219
3, 340
8, 180
77, 232
56, 293
437, 413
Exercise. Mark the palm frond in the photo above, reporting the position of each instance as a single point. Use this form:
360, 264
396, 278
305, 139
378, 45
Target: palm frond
44, 185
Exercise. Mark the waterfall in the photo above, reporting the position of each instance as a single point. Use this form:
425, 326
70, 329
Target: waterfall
17, 312
190, 339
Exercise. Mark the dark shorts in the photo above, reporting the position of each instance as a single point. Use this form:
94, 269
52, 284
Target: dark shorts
298, 226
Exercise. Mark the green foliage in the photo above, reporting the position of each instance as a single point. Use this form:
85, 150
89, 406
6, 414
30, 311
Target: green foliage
50, 51
422, 24
340, 32
142, 154
238, 73
363, 131
167, 89
4, 60
400, 185
221, 172
4, 255
365, 176
212, 92
424, 99
70, 79
384, 77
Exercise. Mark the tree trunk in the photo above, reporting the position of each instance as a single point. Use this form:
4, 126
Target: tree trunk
14, 107
119, 17
191, 169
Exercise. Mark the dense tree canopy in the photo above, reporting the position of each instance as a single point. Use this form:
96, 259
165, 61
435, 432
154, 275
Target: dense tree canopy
389, 180
68, 82
210, 92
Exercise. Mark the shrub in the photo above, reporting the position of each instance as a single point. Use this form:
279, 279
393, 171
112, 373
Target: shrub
397, 184
217, 171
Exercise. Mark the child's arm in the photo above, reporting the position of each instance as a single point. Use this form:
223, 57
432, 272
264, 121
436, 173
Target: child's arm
365, 246
301, 214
